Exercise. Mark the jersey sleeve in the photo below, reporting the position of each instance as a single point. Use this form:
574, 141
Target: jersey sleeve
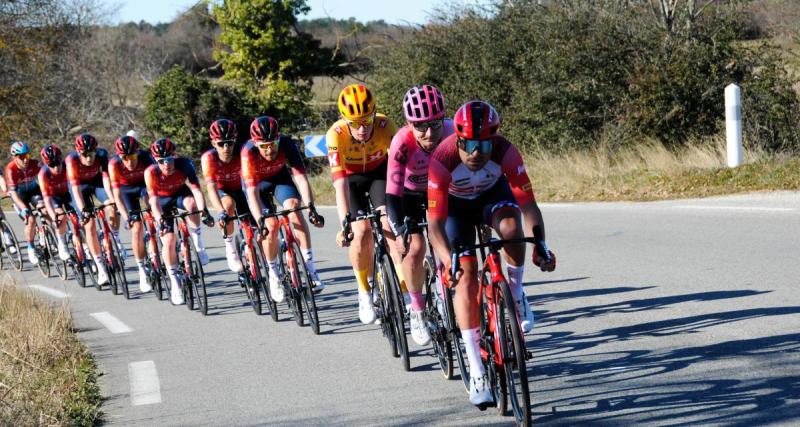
208, 165
334, 156
438, 184
10, 178
114, 173
150, 181
248, 167
187, 168
102, 157
396, 172
514, 169
293, 157
73, 175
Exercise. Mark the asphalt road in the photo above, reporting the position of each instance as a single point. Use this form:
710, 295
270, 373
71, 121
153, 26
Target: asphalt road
667, 313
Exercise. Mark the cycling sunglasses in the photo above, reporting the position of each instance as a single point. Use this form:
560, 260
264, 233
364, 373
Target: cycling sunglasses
365, 122
273, 144
133, 156
470, 145
165, 160
24, 156
88, 153
225, 143
424, 126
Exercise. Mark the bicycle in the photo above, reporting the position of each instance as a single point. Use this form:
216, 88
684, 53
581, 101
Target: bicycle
154, 266
390, 307
295, 279
10, 244
193, 284
502, 342
252, 276
111, 252
46, 247
80, 261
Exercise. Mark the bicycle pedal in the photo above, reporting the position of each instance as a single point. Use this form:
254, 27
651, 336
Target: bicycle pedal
528, 355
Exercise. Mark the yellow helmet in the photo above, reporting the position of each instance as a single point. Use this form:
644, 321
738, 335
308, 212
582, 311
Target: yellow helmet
355, 102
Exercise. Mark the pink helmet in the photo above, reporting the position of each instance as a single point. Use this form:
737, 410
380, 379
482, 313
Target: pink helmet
423, 103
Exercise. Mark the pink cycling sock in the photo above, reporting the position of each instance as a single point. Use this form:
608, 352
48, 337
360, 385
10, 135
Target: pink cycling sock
417, 302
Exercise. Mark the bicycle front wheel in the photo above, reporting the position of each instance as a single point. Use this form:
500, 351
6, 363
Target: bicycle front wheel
434, 321
197, 279
119, 268
306, 290
10, 244
246, 277
263, 272
52, 247
398, 310
514, 354
42, 252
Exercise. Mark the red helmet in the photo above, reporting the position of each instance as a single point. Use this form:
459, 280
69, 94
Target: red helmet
126, 145
163, 147
51, 155
85, 142
423, 103
264, 128
223, 130
476, 120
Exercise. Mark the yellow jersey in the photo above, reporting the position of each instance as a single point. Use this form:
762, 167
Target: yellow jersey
348, 156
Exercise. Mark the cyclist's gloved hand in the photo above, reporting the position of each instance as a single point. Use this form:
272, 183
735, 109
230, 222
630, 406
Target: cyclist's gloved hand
223, 219
25, 214
207, 219
87, 213
543, 257
314, 217
162, 226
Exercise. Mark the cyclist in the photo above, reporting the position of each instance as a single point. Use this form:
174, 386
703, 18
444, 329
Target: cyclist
407, 184
55, 192
126, 173
172, 183
478, 177
264, 168
358, 146
87, 173
21, 174
6, 234
222, 169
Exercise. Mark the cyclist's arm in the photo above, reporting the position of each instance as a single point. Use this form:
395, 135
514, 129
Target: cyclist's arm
342, 197
116, 194
209, 171
17, 200
48, 200
254, 202
75, 185
107, 187
395, 178
520, 183
298, 168
213, 196
152, 198
251, 179
3, 186
438, 184
304, 187
338, 174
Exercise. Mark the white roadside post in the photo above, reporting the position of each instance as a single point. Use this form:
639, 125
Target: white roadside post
733, 124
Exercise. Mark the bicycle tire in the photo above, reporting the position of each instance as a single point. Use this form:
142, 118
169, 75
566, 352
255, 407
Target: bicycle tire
263, 270
291, 283
398, 310
52, 243
43, 253
491, 340
306, 289
15, 258
111, 265
198, 280
158, 274
435, 323
459, 349
250, 285
184, 258
119, 268
77, 267
514, 357
384, 307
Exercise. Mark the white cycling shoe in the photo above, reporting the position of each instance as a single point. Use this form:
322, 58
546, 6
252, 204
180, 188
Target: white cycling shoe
202, 255
316, 283
418, 330
144, 286
366, 312
275, 288
234, 263
32, 256
175, 292
102, 274
524, 313
63, 252
480, 393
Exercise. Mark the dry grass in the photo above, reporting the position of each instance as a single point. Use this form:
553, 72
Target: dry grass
47, 377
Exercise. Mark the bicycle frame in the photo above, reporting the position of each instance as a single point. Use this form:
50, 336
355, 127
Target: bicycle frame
72, 216
250, 234
490, 289
100, 213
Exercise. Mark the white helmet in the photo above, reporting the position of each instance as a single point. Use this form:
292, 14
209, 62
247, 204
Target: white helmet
132, 133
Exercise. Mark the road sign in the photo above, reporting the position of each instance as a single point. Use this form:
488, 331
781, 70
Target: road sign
315, 146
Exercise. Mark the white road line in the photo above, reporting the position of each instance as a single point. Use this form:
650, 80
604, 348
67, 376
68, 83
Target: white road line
48, 291
113, 324
145, 387
736, 208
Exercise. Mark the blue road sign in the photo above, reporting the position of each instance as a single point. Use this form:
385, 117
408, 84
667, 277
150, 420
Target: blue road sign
315, 146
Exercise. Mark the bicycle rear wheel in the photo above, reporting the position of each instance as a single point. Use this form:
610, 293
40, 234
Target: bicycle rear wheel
397, 310
251, 285
435, 322
263, 271
156, 272
16, 257
42, 252
197, 279
52, 245
119, 268
384, 307
514, 353
306, 290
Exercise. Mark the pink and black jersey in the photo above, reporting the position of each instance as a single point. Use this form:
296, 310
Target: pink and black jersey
53, 184
227, 176
448, 175
408, 163
22, 179
77, 173
255, 168
122, 176
160, 185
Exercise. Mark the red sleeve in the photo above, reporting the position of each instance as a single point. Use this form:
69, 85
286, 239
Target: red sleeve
249, 173
514, 169
43, 185
208, 165
114, 173
438, 184
72, 172
10, 179
149, 181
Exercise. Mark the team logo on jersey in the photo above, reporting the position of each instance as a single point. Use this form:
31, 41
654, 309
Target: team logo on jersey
382, 124
375, 156
334, 159
338, 130
418, 179
431, 204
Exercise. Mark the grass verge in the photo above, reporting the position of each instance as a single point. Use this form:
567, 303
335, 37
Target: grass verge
47, 377
646, 172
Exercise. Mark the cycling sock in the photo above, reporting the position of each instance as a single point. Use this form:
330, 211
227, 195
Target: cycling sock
308, 257
61, 238
515, 280
229, 244
30, 245
172, 272
472, 339
101, 266
115, 233
198, 242
417, 302
364, 284
273, 266
399, 269
140, 264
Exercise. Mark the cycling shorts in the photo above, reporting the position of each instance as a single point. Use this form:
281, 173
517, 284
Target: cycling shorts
131, 194
168, 205
372, 183
239, 198
30, 196
279, 185
463, 215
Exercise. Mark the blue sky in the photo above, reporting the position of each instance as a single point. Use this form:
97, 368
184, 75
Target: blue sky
392, 11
